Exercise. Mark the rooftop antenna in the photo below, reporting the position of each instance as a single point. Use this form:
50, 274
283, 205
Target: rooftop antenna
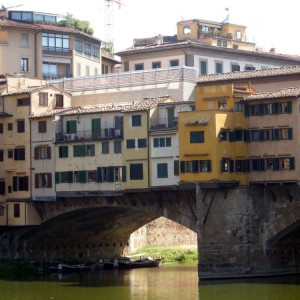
109, 23
226, 20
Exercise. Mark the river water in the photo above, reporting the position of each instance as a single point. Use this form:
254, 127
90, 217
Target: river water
166, 282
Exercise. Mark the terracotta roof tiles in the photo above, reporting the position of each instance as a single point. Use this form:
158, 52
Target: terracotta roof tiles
283, 93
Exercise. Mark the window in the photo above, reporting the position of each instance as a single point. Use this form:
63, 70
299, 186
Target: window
219, 67
235, 47
235, 68
63, 151
16, 210
20, 126
204, 165
43, 180
186, 29
196, 137
238, 135
59, 100
136, 171
111, 174
139, 67
156, 65
203, 67
239, 166
19, 154
42, 126
225, 163
20, 183
10, 153
24, 65
222, 104
83, 150
43, 152
71, 126
1, 155
238, 35
24, 40
55, 42
117, 147
1, 127
142, 143
136, 120
130, 144
219, 43
43, 99
249, 68
2, 187
65, 177
162, 142
287, 163
238, 106
91, 176
105, 147
225, 44
10, 126
23, 102
224, 135
162, 170
174, 62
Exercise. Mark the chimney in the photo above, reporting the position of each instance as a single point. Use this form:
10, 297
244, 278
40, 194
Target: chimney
159, 39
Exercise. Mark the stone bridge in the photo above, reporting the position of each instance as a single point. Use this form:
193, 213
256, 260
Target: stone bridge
242, 231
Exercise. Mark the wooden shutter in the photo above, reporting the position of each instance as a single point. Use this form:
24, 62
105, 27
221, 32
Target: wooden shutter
124, 174
26, 185
182, 166
15, 183
48, 152
49, 180
36, 153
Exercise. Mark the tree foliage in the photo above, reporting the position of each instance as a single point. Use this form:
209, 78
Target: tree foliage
80, 25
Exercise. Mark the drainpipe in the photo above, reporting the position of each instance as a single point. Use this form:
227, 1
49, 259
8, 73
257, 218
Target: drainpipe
148, 148
35, 54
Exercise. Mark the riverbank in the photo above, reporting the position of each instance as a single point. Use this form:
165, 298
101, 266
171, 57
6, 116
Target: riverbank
172, 253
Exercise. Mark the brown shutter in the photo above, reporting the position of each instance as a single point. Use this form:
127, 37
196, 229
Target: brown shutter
36, 153
36, 183
49, 180
15, 183
49, 152
26, 183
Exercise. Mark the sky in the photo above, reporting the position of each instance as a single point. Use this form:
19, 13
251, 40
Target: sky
270, 24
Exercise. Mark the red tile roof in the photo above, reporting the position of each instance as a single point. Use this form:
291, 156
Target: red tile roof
283, 93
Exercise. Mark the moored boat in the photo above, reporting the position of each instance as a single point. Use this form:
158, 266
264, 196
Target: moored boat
63, 268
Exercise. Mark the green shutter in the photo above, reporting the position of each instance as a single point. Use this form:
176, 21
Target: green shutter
247, 165
276, 164
72, 126
182, 166
96, 128
246, 110
57, 177
289, 107
82, 176
176, 167
275, 108
111, 174
195, 164
292, 163
70, 177
290, 133
208, 165
155, 142
276, 134
124, 174
261, 164
223, 163
75, 151
246, 136
231, 166
261, 135
168, 142
99, 175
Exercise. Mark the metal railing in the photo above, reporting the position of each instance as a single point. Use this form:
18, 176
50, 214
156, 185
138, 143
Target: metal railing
164, 123
88, 135
118, 80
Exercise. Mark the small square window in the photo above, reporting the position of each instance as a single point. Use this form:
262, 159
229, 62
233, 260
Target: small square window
174, 62
24, 65
43, 99
139, 67
136, 120
156, 65
20, 126
10, 126
42, 126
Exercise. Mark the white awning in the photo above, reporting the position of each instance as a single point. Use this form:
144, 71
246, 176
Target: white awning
57, 60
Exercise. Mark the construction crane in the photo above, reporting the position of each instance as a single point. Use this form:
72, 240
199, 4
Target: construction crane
109, 23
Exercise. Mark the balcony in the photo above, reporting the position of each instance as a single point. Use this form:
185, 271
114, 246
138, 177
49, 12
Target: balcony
164, 124
88, 135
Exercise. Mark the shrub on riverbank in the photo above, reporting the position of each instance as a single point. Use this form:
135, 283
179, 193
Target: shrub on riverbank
171, 254
10, 269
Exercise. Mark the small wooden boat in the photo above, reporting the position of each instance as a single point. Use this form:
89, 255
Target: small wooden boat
63, 268
140, 263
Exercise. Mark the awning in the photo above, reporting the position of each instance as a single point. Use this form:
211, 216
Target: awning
57, 60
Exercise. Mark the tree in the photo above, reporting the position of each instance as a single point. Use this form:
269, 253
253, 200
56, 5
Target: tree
80, 25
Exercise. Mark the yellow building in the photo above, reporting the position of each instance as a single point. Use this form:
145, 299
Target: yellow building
214, 139
214, 33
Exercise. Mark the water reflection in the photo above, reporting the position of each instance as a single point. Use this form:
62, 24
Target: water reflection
167, 282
